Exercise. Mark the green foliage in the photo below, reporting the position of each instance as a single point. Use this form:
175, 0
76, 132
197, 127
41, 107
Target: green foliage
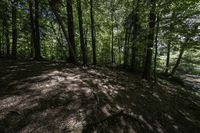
179, 25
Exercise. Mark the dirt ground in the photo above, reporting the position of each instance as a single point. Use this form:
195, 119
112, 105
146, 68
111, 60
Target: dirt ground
41, 97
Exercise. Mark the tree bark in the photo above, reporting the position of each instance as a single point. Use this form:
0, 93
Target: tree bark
3, 38
37, 33
119, 45
125, 49
32, 28
152, 23
7, 34
70, 21
112, 36
52, 4
14, 29
171, 27
93, 33
168, 57
156, 48
6, 29
135, 32
182, 50
0, 43
83, 46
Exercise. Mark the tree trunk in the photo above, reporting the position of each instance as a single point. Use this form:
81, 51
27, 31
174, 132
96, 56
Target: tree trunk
125, 49
7, 35
3, 38
168, 57
182, 50
0, 43
85, 38
135, 32
60, 22
93, 33
112, 37
33, 40
6, 30
37, 33
14, 29
83, 46
152, 23
70, 21
171, 27
119, 45
156, 48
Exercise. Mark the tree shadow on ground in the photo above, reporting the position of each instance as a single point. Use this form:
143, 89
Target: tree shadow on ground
59, 97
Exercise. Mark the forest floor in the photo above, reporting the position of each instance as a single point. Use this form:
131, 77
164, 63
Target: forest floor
58, 97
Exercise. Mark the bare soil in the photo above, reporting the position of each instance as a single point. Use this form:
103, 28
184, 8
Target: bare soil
41, 97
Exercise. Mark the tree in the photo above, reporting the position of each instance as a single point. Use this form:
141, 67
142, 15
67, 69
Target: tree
14, 29
126, 48
152, 23
0, 44
53, 4
135, 34
171, 27
6, 29
93, 33
112, 32
33, 38
188, 42
7, 38
83, 46
156, 46
37, 33
70, 21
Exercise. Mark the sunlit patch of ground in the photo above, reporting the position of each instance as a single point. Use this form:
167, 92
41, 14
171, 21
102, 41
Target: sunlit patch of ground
57, 97
193, 81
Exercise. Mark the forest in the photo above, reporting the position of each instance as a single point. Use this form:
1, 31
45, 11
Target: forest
100, 66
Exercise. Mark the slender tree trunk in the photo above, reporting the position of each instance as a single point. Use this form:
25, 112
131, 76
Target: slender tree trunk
70, 21
6, 30
0, 43
7, 36
86, 41
33, 38
83, 46
37, 32
3, 37
112, 37
156, 48
169, 46
64, 55
133, 60
152, 23
52, 4
182, 50
119, 46
14, 29
168, 57
93, 33
135, 32
125, 49
143, 58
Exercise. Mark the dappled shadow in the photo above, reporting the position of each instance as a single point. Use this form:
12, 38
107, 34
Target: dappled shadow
59, 97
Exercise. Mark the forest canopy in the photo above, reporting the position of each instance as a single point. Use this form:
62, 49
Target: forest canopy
137, 34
